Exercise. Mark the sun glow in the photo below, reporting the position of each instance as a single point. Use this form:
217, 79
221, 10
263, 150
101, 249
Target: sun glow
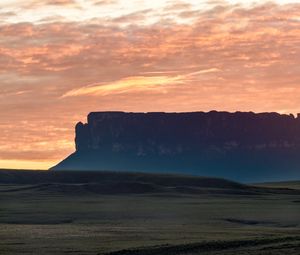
26, 164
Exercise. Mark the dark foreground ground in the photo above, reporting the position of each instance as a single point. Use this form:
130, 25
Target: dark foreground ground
112, 213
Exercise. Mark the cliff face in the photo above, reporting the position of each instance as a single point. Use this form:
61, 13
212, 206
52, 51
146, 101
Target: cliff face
175, 133
221, 144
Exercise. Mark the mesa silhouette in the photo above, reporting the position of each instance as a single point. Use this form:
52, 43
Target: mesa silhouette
242, 146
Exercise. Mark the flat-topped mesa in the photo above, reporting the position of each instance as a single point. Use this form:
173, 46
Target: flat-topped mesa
242, 146
162, 133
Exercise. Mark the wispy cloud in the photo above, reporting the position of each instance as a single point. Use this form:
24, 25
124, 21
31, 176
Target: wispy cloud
124, 85
136, 83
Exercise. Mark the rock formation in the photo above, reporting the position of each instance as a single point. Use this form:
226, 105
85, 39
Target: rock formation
243, 146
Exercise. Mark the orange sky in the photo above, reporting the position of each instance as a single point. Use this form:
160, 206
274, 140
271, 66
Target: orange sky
61, 59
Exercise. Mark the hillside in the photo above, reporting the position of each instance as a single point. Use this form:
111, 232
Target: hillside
80, 182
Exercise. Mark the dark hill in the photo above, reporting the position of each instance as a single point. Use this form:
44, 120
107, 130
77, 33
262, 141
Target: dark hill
241, 146
79, 177
82, 182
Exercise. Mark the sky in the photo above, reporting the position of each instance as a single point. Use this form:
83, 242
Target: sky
61, 59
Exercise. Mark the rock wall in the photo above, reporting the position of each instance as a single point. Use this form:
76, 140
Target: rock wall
174, 133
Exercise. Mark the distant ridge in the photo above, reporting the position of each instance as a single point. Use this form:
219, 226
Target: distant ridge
243, 146
81, 182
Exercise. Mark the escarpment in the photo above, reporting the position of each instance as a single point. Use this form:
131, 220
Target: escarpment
244, 146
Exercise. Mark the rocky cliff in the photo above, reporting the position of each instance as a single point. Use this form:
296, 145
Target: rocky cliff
243, 146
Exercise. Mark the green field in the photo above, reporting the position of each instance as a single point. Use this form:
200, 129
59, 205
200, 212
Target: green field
161, 215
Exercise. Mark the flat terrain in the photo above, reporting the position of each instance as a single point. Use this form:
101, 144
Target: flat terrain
114, 213
289, 185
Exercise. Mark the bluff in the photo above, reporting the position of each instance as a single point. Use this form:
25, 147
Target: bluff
242, 146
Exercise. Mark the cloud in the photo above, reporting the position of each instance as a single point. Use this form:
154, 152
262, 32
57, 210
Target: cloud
136, 83
7, 14
226, 57
178, 6
132, 17
105, 2
61, 3
124, 85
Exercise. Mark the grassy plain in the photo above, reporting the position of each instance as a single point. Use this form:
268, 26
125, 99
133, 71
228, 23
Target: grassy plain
171, 218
